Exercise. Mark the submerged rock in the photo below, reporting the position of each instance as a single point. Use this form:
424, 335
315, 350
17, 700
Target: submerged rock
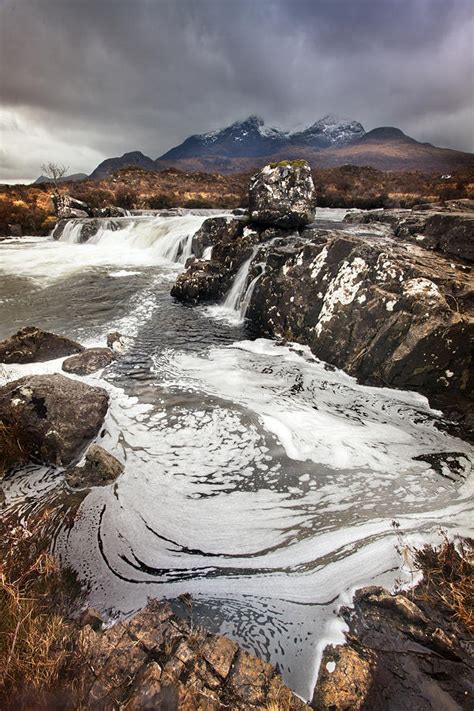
282, 194
88, 361
33, 345
52, 416
100, 468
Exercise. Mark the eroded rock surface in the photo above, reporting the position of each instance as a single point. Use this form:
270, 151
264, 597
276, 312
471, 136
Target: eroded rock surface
53, 417
99, 469
88, 361
156, 661
283, 195
33, 345
401, 654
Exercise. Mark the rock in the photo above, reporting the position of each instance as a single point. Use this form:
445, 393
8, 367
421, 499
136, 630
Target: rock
66, 206
215, 230
33, 345
204, 280
344, 680
54, 416
154, 660
92, 618
100, 468
110, 211
118, 342
388, 315
89, 227
282, 194
15, 230
88, 361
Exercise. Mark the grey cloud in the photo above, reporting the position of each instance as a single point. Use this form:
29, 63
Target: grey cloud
94, 78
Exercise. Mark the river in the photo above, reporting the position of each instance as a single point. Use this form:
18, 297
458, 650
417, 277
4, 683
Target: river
257, 478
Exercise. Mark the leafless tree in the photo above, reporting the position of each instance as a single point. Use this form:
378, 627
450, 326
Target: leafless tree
54, 171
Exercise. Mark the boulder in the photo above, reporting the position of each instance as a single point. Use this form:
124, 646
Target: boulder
385, 314
282, 194
88, 361
89, 227
100, 468
53, 417
215, 230
66, 206
33, 345
110, 211
204, 280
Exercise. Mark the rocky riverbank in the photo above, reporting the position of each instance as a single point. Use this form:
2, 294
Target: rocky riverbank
386, 296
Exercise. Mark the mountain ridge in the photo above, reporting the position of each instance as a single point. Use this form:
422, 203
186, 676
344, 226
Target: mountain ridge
329, 142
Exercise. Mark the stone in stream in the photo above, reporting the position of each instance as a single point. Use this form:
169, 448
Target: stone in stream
283, 195
100, 468
33, 345
66, 206
118, 342
88, 361
52, 417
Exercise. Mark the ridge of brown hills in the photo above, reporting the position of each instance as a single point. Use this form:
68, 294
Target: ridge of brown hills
28, 209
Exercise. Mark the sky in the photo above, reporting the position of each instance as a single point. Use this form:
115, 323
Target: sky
83, 80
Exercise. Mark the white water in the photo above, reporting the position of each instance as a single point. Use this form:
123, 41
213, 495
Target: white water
235, 304
256, 478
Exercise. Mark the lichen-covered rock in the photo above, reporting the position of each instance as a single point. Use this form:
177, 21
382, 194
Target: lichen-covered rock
388, 315
66, 206
88, 361
53, 416
215, 230
33, 345
344, 680
99, 469
283, 195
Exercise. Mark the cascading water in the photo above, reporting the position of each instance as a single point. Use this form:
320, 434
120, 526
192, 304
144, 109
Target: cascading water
257, 478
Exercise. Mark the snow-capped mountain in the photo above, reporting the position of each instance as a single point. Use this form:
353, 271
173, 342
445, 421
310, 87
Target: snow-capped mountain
242, 138
329, 131
252, 138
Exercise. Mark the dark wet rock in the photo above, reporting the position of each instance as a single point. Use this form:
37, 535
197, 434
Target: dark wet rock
99, 469
88, 361
109, 211
215, 230
15, 230
204, 280
89, 227
33, 345
384, 313
66, 206
53, 416
283, 195
92, 618
403, 651
155, 660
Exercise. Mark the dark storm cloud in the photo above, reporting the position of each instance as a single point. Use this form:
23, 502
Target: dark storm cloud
86, 79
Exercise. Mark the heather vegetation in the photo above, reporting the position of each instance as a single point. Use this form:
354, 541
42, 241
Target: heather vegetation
30, 207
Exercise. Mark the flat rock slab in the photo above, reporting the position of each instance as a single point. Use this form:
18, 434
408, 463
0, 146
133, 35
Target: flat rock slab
52, 416
33, 345
88, 361
100, 468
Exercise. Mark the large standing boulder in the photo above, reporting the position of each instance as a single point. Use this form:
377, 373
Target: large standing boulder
52, 417
32, 345
88, 361
282, 194
66, 206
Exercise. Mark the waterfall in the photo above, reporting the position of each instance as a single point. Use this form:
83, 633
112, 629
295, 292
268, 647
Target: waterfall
237, 291
237, 300
166, 238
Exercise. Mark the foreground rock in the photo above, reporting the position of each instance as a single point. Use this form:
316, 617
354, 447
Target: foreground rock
282, 194
88, 361
100, 468
52, 417
408, 650
157, 661
32, 345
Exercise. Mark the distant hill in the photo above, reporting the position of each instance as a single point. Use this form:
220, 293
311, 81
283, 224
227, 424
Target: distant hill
65, 179
329, 142
134, 158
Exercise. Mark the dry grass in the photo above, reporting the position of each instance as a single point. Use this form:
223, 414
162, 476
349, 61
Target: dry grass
36, 638
448, 578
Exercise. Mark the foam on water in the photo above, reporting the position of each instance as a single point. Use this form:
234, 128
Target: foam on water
257, 478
